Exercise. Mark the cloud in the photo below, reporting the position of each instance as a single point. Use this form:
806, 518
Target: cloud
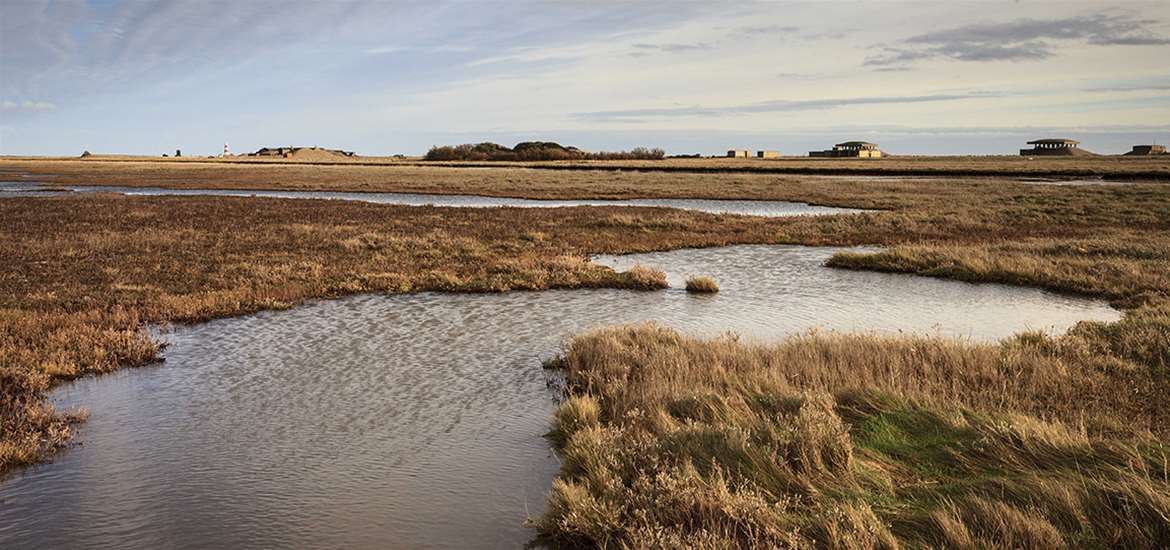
798, 76
769, 29
672, 48
1020, 40
774, 106
1135, 88
385, 49
27, 105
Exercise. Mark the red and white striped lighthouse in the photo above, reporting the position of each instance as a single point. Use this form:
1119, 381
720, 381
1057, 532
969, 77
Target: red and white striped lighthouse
226, 152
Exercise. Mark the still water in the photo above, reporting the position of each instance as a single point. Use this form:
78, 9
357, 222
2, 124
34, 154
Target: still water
416, 421
751, 208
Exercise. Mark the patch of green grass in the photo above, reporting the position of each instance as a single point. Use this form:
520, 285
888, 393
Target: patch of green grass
916, 439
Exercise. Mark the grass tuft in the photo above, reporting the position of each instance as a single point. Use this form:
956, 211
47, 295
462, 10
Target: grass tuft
702, 285
640, 277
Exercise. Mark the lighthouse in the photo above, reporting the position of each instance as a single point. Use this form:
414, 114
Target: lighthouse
226, 151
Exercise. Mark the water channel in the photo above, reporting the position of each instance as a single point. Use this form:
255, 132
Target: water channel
416, 421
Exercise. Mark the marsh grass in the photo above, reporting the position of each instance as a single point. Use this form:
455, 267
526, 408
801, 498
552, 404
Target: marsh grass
81, 275
857, 441
702, 284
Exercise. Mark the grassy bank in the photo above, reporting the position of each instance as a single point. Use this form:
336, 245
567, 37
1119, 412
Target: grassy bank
853, 441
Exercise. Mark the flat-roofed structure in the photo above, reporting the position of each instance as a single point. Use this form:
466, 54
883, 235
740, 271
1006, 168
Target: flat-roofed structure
1053, 146
767, 154
1146, 150
855, 149
738, 154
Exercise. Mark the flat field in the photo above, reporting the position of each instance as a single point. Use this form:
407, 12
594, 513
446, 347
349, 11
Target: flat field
599, 179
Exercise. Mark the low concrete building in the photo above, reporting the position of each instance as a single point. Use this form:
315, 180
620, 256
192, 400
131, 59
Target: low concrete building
1146, 150
738, 154
1052, 147
768, 154
854, 149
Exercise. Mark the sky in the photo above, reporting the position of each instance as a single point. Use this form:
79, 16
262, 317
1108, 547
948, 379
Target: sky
382, 77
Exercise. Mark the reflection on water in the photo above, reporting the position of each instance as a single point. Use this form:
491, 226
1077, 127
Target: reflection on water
751, 208
415, 421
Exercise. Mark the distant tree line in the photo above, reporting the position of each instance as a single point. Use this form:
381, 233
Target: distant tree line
535, 150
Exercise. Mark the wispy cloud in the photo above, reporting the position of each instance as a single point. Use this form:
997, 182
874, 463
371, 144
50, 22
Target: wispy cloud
27, 105
769, 29
1135, 88
1021, 39
774, 106
672, 48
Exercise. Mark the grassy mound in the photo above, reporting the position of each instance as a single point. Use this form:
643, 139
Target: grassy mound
640, 277
702, 284
853, 441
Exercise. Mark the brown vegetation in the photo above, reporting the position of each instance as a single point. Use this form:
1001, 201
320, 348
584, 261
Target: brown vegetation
194, 258
843, 440
702, 285
855, 441
1117, 167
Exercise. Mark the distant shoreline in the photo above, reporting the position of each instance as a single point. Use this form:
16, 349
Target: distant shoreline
1104, 167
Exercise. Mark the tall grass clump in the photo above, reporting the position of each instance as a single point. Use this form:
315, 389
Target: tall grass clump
702, 284
859, 441
640, 277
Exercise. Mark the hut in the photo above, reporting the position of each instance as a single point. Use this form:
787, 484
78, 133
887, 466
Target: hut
854, 149
738, 154
768, 154
1054, 147
1146, 150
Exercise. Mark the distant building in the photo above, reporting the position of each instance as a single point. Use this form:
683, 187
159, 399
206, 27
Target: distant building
273, 152
1054, 147
855, 149
1146, 150
768, 154
738, 154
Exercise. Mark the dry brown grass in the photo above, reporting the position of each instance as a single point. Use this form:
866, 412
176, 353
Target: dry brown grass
1093, 166
836, 441
645, 277
702, 284
854, 441
620, 180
